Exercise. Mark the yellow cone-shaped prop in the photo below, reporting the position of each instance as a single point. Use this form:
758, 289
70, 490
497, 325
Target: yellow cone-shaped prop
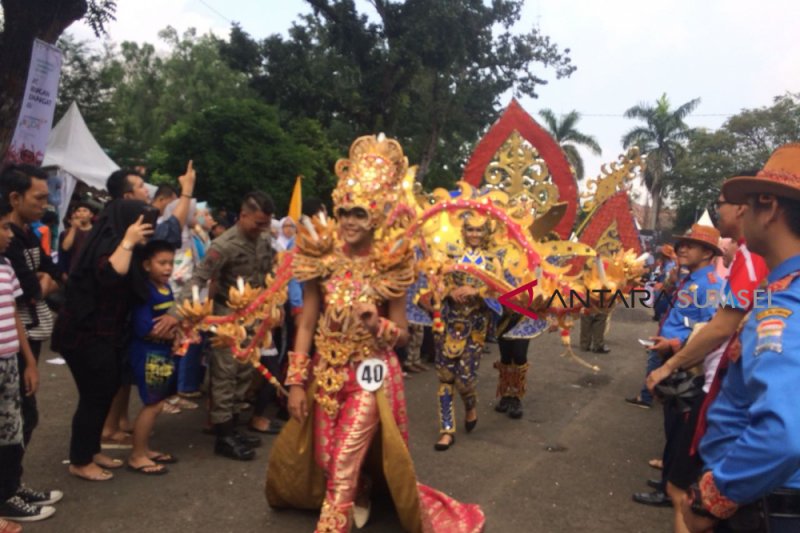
296, 203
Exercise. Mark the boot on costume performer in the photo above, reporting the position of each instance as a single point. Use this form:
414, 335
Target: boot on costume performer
511, 385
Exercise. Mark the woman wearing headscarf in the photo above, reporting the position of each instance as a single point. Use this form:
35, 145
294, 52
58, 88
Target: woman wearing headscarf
286, 234
90, 331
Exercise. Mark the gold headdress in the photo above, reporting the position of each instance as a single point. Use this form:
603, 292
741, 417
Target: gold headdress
371, 177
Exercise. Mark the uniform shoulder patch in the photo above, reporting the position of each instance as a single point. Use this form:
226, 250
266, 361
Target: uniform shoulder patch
774, 311
712, 277
769, 334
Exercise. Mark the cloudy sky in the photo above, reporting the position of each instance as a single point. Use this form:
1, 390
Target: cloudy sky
733, 54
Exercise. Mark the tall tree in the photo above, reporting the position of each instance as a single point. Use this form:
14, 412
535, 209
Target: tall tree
743, 143
88, 80
429, 72
239, 145
24, 21
154, 91
566, 134
662, 139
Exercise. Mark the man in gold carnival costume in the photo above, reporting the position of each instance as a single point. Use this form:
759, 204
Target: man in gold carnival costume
350, 394
467, 318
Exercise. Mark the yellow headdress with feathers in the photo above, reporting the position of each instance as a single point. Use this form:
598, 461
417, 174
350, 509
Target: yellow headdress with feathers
371, 177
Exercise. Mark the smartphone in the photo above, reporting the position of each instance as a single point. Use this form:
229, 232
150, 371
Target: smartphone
150, 215
646, 344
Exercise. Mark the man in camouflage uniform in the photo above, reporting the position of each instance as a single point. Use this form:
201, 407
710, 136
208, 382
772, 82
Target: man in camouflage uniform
243, 251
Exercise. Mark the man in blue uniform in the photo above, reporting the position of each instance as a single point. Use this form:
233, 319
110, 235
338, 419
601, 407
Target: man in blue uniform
751, 447
695, 302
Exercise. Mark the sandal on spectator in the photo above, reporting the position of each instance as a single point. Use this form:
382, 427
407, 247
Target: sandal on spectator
104, 475
164, 459
154, 469
182, 403
170, 409
110, 465
119, 441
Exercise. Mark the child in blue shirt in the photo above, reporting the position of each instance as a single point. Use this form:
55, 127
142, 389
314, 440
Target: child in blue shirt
151, 357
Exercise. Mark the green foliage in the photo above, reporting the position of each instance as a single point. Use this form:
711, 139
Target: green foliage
87, 80
132, 94
662, 138
428, 72
743, 143
239, 145
567, 135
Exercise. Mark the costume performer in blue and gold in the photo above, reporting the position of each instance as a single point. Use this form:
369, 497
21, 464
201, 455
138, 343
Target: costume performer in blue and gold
467, 317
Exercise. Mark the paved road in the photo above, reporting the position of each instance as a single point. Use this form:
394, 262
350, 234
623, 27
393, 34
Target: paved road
570, 465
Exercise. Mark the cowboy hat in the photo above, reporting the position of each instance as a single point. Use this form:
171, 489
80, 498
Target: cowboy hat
780, 176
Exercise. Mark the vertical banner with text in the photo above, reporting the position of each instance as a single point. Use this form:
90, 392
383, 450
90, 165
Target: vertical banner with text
38, 106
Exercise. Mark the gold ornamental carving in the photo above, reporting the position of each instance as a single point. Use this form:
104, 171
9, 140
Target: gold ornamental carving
518, 171
614, 177
609, 242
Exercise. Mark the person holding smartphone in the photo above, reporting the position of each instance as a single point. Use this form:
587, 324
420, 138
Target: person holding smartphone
90, 328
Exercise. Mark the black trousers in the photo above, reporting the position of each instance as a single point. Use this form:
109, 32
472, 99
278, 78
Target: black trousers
513, 351
96, 367
267, 393
30, 411
428, 348
10, 470
10, 428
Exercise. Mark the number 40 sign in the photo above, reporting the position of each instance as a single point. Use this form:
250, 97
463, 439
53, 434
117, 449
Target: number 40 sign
371, 373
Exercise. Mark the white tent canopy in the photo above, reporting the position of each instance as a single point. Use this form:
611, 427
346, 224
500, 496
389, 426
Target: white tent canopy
73, 155
72, 148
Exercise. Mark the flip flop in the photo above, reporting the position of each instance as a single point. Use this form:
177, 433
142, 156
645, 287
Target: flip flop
164, 459
104, 476
160, 469
114, 464
170, 409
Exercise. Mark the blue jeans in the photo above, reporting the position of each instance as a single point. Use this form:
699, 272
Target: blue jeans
653, 361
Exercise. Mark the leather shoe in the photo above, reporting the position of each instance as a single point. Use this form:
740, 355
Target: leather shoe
515, 408
250, 441
655, 484
231, 448
502, 405
602, 349
656, 498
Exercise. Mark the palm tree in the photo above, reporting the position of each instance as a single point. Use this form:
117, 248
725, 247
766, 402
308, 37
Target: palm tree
661, 138
568, 137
